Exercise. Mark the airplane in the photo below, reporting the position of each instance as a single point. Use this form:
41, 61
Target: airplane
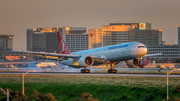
131, 53
47, 64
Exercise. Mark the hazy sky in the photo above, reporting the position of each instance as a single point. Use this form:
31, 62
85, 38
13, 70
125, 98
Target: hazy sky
18, 15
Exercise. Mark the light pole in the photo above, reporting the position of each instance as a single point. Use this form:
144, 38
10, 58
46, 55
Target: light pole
7, 94
167, 80
23, 81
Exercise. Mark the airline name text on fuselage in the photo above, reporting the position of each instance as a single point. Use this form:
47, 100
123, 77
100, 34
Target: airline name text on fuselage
119, 46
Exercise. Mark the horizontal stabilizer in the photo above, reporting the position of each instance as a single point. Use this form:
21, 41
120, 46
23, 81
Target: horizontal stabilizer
152, 54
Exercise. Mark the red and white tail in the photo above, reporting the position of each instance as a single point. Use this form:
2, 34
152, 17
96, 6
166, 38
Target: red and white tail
64, 49
145, 62
147, 59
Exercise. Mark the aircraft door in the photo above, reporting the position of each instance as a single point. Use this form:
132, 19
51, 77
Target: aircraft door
134, 50
130, 48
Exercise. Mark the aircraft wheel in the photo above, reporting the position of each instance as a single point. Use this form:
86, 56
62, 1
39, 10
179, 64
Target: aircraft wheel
142, 67
85, 70
44, 68
49, 67
112, 71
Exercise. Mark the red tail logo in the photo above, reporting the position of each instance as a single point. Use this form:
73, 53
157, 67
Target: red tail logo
62, 44
144, 62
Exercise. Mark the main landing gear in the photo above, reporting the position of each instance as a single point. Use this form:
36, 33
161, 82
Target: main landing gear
112, 70
85, 70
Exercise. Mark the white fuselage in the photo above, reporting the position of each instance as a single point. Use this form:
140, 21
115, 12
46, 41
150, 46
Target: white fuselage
113, 53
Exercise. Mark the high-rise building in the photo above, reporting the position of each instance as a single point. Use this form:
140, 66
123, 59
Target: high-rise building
77, 42
6, 41
6, 44
76, 38
178, 35
117, 33
42, 39
45, 39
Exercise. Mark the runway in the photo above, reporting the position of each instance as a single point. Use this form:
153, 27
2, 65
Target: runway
78, 69
92, 74
149, 72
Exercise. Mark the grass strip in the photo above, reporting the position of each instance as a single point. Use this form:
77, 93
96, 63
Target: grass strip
105, 88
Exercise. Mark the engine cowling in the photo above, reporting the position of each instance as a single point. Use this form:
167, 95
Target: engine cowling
85, 61
134, 63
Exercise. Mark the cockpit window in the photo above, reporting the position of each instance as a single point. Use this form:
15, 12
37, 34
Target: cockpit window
141, 46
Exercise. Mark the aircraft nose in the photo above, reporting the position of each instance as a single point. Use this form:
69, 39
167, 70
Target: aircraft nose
142, 51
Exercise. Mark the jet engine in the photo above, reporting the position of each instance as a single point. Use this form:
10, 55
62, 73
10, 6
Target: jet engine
85, 61
134, 63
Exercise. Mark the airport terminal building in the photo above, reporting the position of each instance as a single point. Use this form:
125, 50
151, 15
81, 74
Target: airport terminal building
116, 33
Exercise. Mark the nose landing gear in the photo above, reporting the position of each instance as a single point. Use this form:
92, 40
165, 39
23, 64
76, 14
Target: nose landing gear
139, 61
112, 70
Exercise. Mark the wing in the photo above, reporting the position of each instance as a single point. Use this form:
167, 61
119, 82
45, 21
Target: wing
55, 55
50, 54
152, 54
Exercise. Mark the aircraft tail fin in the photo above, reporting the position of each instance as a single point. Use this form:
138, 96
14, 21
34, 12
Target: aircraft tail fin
56, 62
147, 59
145, 62
63, 47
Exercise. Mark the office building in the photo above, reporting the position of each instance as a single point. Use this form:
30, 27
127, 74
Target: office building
169, 52
76, 38
6, 41
45, 39
117, 33
6, 44
77, 42
178, 35
42, 39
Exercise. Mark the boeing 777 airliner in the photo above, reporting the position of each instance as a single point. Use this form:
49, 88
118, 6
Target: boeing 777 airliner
131, 52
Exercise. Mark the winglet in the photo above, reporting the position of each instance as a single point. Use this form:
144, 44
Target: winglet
64, 49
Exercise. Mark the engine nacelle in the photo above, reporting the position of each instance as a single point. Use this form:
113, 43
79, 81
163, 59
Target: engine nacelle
134, 63
85, 61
